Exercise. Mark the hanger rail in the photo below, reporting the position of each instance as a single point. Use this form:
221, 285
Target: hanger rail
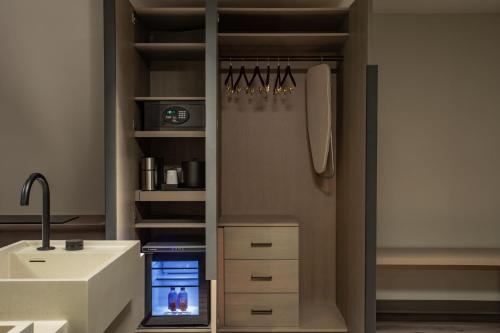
291, 58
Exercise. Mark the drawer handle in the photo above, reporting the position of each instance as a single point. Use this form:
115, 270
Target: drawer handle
256, 312
261, 244
261, 278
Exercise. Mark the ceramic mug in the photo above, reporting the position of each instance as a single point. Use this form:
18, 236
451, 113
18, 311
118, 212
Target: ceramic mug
172, 178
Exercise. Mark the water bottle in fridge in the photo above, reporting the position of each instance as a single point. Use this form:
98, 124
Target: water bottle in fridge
172, 300
182, 299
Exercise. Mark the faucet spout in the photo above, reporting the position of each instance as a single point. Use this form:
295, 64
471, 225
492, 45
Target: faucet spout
25, 200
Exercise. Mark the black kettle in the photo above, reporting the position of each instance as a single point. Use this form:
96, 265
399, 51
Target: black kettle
193, 174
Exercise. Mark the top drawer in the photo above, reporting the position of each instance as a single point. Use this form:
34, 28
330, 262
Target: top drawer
261, 243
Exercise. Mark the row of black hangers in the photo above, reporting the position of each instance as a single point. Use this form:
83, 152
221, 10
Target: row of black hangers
282, 85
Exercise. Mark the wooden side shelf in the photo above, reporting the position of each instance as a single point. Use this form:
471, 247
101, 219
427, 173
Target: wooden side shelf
169, 134
169, 196
165, 51
173, 99
438, 258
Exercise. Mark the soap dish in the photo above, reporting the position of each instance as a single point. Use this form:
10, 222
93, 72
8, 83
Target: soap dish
74, 244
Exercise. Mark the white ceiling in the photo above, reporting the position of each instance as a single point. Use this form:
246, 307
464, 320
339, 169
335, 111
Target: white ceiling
436, 6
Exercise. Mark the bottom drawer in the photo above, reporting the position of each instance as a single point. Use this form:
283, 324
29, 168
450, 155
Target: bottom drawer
262, 309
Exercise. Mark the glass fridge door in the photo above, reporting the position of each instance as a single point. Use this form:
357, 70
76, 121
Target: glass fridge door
177, 293
175, 288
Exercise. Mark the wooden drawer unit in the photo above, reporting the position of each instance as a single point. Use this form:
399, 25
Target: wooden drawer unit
262, 276
262, 310
261, 243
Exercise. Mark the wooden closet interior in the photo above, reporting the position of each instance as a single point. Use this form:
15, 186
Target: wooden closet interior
259, 169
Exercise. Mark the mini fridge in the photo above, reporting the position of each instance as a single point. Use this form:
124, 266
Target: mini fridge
177, 293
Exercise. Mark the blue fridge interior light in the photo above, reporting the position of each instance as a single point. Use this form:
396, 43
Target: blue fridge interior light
175, 288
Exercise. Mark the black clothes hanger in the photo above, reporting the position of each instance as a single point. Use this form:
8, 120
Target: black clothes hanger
277, 84
229, 81
256, 74
242, 74
267, 82
288, 74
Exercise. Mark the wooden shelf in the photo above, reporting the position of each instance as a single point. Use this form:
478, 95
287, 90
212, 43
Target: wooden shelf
169, 196
169, 134
171, 51
438, 258
170, 11
422, 326
172, 18
313, 319
167, 99
236, 44
169, 224
257, 220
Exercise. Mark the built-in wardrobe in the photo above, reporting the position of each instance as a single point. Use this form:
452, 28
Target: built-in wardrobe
287, 249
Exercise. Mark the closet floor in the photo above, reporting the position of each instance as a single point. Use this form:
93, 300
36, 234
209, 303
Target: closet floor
425, 327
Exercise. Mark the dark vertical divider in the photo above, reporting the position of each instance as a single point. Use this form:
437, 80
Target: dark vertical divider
110, 116
351, 173
371, 198
211, 153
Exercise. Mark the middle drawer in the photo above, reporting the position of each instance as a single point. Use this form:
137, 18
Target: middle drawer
262, 276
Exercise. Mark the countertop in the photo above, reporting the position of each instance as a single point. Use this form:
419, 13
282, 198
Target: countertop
38, 326
83, 222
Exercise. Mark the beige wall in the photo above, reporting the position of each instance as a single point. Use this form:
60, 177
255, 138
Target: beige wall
439, 130
439, 135
51, 103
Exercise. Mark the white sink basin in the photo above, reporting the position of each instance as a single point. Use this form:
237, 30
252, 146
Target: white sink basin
59, 326
16, 327
88, 288
26, 262
5, 328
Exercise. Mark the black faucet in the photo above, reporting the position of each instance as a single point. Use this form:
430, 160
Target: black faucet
25, 200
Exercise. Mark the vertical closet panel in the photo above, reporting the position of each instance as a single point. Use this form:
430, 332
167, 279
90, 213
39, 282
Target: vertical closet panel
110, 116
131, 75
351, 173
211, 139
371, 197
